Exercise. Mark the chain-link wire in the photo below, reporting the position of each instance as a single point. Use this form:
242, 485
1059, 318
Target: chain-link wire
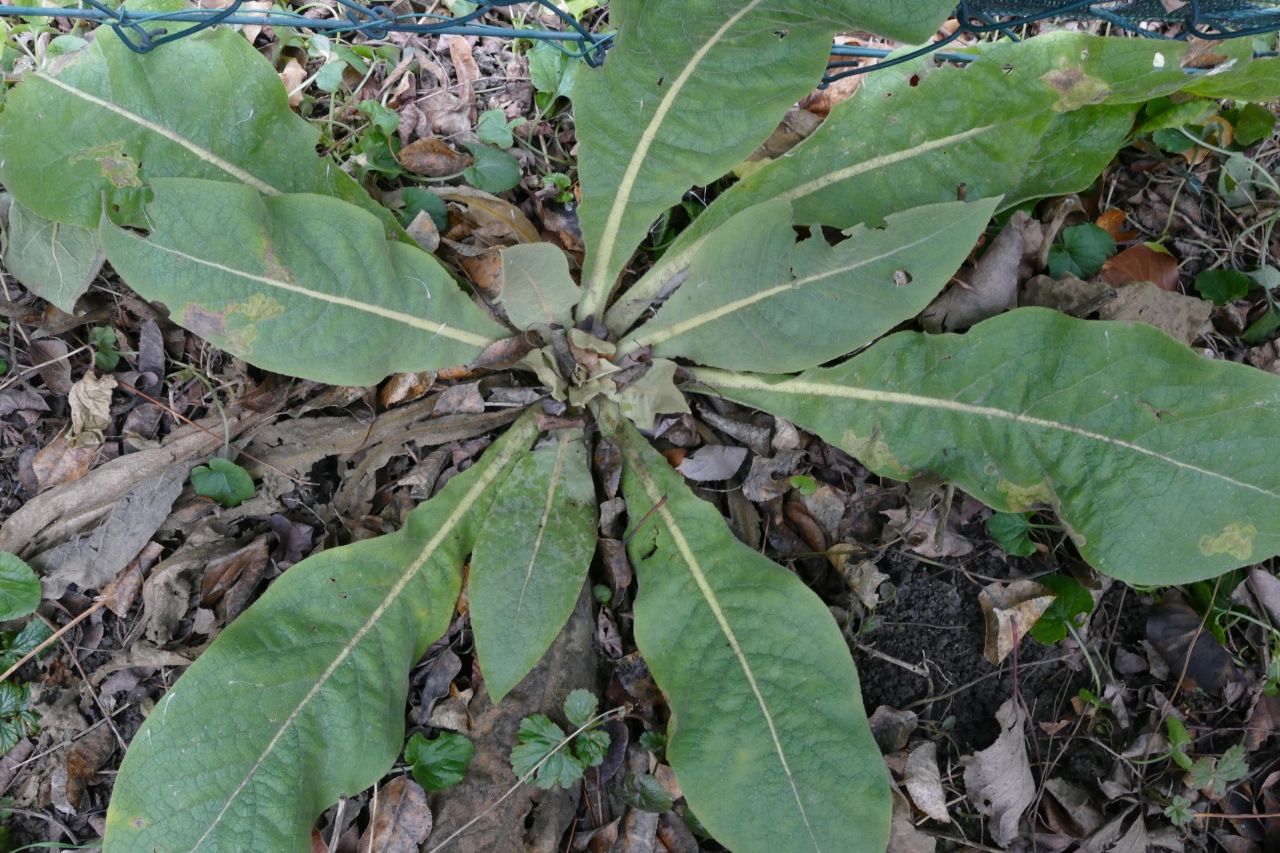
1207, 19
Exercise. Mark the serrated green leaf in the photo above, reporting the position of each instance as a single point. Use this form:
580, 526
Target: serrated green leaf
440, 763
1223, 286
19, 587
1010, 530
590, 747
768, 722
757, 299
1111, 423
1026, 120
655, 742
580, 707
321, 660
536, 285
56, 262
1232, 765
108, 119
641, 119
298, 284
532, 559
23, 642
642, 791
1082, 252
538, 739
493, 171
224, 481
1071, 602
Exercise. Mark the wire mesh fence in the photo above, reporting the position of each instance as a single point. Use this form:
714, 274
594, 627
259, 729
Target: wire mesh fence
143, 31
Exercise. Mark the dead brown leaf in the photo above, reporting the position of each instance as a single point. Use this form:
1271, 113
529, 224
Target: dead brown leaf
822, 101
919, 529
1180, 317
998, 779
1113, 222
432, 156
405, 388
891, 728
484, 271
402, 821
1082, 816
464, 66
84, 759
1010, 611
58, 462
924, 782
55, 370
481, 209
424, 232
292, 77
1142, 263
991, 287
90, 400
903, 835
1175, 630
224, 570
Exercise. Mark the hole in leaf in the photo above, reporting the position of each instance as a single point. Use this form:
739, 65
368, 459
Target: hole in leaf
1007, 68
781, 34
901, 278
915, 80
661, 80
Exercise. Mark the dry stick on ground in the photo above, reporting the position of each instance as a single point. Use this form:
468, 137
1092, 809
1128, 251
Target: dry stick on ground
97, 700
30, 370
190, 422
97, 605
598, 718
44, 816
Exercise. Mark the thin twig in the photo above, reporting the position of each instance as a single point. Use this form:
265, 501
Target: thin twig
97, 605
89, 686
588, 724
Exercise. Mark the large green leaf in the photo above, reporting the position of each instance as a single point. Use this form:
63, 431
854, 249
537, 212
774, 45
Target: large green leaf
756, 299
1026, 120
652, 122
300, 284
767, 736
1161, 463
536, 286
301, 699
55, 261
105, 120
531, 559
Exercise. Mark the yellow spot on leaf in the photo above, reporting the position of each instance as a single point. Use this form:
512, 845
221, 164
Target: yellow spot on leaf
875, 454
259, 307
117, 167
1022, 498
1234, 540
1076, 89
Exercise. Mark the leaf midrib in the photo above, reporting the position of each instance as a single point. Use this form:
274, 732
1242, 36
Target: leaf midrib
598, 287
498, 465
178, 139
799, 387
441, 329
713, 603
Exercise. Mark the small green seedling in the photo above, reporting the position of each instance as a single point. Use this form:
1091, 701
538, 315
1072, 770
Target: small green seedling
1223, 286
19, 587
224, 481
440, 763
542, 741
16, 720
1071, 607
103, 341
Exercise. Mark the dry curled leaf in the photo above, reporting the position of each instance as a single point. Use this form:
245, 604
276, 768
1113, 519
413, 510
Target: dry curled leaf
998, 779
924, 782
90, 400
1010, 611
402, 821
1142, 263
432, 157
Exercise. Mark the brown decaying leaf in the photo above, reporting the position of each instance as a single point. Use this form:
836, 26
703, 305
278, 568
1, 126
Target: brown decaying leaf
223, 571
712, 462
639, 832
507, 352
460, 400
919, 531
90, 400
484, 271
903, 835
1172, 628
1082, 817
11, 760
424, 232
821, 101
480, 209
1142, 263
1010, 611
607, 634
924, 782
402, 821
891, 728
292, 77
998, 779
405, 388
432, 156
991, 287
1180, 317
56, 370
58, 462
84, 759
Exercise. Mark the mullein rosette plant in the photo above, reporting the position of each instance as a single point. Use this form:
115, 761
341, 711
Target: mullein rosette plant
208, 197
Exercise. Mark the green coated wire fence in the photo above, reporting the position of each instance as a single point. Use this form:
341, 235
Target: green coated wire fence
146, 30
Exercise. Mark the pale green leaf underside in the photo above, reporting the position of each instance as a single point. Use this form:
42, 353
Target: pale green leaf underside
756, 299
301, 699
299, 284
536, 285
653, 121
55, 261
1027, 120
767, 737
531, 559
207, 106
1160, 462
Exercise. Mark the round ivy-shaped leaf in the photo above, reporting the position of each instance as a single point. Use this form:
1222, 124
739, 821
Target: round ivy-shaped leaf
440, 763
1082, 252
1223, 286
1011, 532
493, 171
416, 200
224, 481
1072, 602
19, 587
